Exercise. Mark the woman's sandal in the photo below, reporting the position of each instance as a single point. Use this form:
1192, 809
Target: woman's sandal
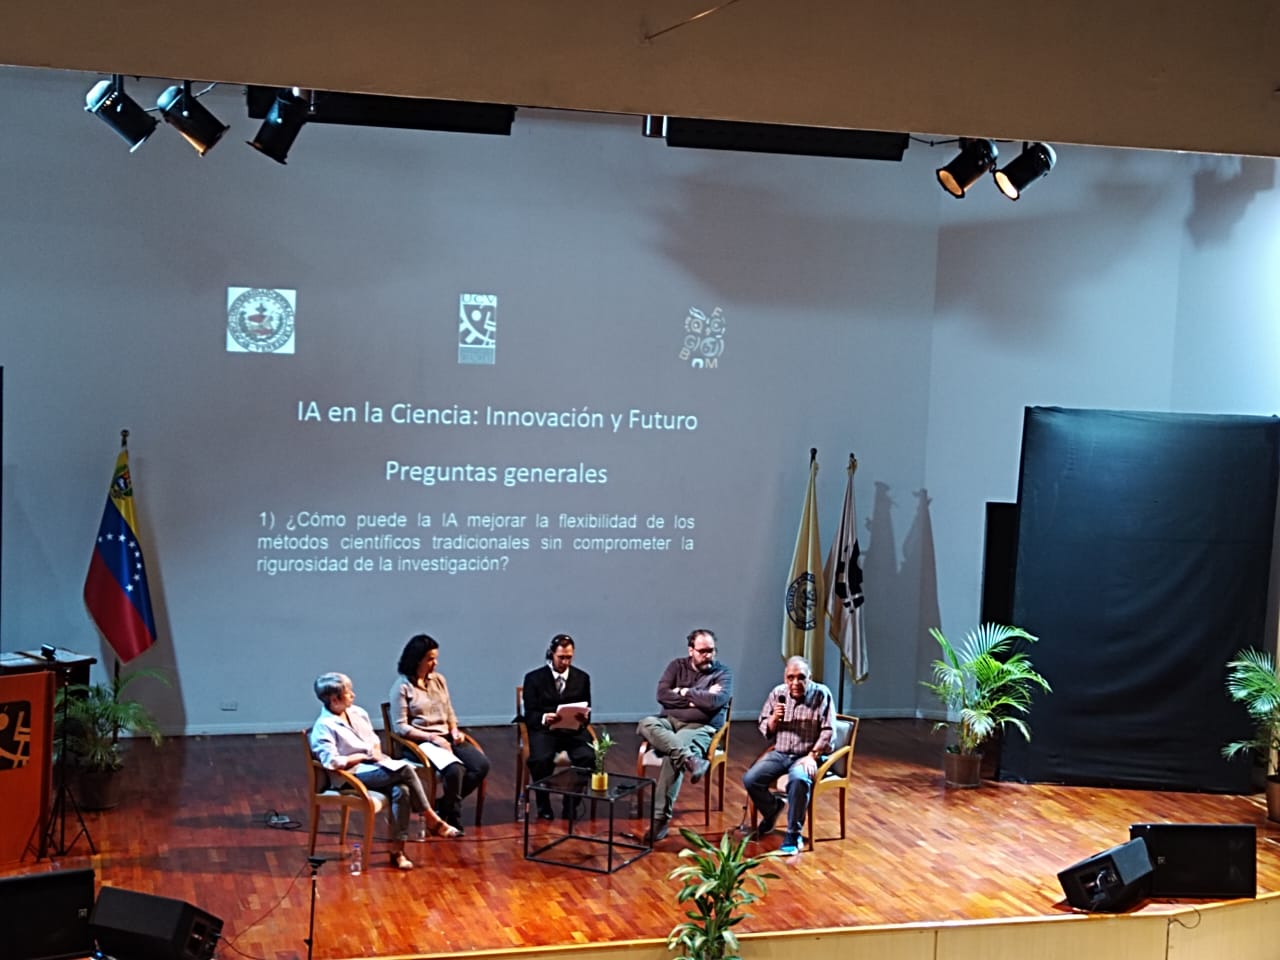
446, 830
401, 862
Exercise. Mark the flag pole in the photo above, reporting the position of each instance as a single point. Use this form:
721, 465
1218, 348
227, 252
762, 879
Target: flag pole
115, 674
115, 698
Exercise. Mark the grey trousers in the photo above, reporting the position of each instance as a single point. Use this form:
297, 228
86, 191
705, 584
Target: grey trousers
674, 741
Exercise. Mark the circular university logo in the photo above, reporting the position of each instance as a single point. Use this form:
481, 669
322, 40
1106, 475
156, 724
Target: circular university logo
802, 602
260, 320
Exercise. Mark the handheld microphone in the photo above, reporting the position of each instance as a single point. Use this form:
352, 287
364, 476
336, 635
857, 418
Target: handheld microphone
783, 696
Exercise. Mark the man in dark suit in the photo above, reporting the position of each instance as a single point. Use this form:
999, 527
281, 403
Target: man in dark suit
545, 689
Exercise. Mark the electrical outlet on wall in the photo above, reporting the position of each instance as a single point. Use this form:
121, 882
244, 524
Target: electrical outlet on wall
229, 705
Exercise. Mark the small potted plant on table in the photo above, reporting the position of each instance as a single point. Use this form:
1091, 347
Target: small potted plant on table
600, 747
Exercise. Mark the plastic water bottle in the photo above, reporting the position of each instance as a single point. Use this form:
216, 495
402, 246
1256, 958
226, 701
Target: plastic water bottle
357, 864
422, 828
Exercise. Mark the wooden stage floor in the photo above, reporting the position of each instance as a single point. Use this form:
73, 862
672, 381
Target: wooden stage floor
192, 826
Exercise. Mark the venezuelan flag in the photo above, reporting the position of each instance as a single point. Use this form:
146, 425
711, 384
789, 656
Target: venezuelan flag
115, 590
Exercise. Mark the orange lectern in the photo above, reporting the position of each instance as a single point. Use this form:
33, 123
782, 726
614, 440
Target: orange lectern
26, 759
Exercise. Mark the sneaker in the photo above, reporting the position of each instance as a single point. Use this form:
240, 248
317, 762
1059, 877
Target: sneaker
769, 820
696, 767
791, 846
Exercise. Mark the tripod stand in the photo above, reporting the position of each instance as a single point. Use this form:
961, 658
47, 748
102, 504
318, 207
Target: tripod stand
54, 842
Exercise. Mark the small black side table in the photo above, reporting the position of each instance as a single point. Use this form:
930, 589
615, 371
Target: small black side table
579, 850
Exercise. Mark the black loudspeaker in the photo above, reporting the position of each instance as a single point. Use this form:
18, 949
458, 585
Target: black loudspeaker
1109, 881
1212, 861
141, 926
999, 561
45, 916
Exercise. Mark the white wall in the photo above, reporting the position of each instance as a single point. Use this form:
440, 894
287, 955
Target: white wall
866, 312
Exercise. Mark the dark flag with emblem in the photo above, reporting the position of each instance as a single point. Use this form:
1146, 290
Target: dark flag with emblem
115, 590
802, 633
844, 588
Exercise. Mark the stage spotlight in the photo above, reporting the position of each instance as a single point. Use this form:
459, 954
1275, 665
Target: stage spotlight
280, 129
975, 158
1035, 160
200, 128
119, 111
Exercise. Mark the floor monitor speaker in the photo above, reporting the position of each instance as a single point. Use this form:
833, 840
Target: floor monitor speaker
45, 916
1109, 881
1213, 861
141, 926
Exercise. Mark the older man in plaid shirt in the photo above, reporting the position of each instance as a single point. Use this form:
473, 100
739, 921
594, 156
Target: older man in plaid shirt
799, 717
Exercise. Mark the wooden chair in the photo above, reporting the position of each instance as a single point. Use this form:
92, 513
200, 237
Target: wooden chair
833, 773
402, 747
648, 759
349, 794
522, 752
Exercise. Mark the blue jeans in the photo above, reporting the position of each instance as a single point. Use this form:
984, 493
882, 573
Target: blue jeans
759, 782
405, 791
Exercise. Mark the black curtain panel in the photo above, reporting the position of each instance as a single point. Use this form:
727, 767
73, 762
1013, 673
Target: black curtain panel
1143, 558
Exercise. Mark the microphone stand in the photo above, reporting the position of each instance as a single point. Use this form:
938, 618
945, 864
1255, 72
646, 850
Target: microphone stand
315, 863
58, 811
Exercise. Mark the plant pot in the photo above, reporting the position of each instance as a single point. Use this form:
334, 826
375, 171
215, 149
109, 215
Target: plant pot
600, 782
98, 789
1273, 798
962, 770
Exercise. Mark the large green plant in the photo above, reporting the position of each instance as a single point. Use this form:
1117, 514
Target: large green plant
98, 713
1252, 680
714, 884
984, 683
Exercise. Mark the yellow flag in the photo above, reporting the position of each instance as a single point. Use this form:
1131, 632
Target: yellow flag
802, 633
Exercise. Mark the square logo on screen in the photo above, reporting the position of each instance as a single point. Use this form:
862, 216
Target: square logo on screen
477, 328
260, 320
15, 734
703, 339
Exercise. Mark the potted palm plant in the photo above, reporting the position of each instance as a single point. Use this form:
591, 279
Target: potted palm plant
714, 884
985, 685
600, 747
96, 715
1252, 680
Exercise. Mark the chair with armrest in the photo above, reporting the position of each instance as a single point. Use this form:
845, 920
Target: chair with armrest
522, 752
328, 789
648, 761
833, 773
404, 748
